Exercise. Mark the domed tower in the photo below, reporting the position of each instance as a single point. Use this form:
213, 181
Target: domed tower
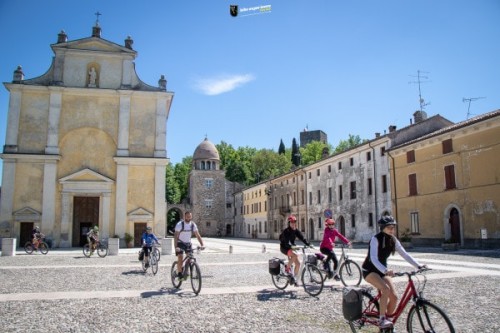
206, 156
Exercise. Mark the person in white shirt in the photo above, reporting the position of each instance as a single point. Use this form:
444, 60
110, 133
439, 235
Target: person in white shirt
184, 231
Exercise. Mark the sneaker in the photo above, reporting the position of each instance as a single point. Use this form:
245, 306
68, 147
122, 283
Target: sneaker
385, 323
336, 277
330, 275
146, 265
179, 275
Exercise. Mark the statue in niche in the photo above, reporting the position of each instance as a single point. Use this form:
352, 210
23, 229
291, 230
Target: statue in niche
92, 77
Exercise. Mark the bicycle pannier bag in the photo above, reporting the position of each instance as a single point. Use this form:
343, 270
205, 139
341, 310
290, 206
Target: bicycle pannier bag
141, 255
274, 266
352, 303
311, 259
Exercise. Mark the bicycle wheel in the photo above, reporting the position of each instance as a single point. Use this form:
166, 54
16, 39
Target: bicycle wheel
43, 247
28, 247
427, 317
154, 264
312, 280
156, 253
86, 250
195, 277
350, 273
102, 250
281, 280
176, 282
324, 273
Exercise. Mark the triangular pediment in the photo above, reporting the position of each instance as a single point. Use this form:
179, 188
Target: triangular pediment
140, 214
27, 214
93, 44
86, 175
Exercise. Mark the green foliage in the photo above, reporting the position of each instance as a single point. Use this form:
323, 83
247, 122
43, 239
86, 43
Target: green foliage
296, 158
313, 152
351, 142
281, 149
172, 188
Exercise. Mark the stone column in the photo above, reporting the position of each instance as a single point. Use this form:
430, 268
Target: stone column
13, 122
128, 69
8, 247
7, 200
66, 232
123, 125
166, 245
49, 198
52, 146
160, 203
106, 207
121, 198
113, 246
161, 127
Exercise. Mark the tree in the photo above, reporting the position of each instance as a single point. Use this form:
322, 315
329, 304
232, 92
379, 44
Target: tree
281, 149
181, 175
295, 153
226, 152
351, 142
313, 152
172, 190
267, 164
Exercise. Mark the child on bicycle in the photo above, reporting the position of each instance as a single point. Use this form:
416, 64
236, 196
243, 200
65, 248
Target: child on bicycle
327, 244
287, 240
184, 230
375, 270
36, 236
147, 244
92, 238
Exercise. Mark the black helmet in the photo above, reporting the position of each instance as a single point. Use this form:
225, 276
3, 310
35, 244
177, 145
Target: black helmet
385, 221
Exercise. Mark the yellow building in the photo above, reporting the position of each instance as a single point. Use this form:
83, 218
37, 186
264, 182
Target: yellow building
85, 146
446, 185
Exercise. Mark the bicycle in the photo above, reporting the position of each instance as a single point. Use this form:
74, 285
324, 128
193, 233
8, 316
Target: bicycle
311, 277
153, 260
347, 269
100, 246
423, 316
190, 269
29, 247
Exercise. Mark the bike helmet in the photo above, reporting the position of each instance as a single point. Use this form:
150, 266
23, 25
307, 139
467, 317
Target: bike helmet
149, 229
330, 222
96, 228
385, 221
292, 219
37, 228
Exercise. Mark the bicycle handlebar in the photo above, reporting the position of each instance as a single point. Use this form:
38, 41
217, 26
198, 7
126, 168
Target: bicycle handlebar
412, 273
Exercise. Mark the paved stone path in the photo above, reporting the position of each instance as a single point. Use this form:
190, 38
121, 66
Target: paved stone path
65, 292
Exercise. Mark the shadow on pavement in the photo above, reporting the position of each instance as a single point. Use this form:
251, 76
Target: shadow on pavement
269, 294
134, 272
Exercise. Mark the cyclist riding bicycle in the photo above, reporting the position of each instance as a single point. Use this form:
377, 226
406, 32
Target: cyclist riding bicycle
287, 240
36, 237
147, 244
92, 237
184, 231
375, 270
328, 243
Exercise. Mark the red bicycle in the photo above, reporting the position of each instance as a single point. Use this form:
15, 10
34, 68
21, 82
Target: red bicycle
423, 315
37, 245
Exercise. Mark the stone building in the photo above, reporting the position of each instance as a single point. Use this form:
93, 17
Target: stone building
211, 195
307, 136
85, 146
447, 184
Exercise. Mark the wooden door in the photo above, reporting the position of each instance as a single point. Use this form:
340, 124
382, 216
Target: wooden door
139, 229
25, 233
85, 216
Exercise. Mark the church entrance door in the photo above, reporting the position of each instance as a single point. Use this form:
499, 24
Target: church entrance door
85, 216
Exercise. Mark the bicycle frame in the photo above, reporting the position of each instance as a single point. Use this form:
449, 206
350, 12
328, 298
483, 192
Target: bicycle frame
343, 257
302, 260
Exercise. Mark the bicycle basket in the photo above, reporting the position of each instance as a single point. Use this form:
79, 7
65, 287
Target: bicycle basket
274, 266
312, 259
141, 255
352, 303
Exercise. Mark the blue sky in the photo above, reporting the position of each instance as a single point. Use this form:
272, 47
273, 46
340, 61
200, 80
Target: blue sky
342, 67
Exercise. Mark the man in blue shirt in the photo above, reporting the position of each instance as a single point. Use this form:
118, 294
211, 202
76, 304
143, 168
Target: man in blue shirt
147, 244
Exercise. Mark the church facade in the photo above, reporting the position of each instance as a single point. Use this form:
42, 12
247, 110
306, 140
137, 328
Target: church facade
85, 146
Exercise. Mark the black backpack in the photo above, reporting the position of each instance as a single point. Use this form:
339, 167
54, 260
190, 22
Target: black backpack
192, 227
352, 303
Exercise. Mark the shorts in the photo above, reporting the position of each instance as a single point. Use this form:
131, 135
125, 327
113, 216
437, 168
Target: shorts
286, 251
366, 273
183, 248
147, 250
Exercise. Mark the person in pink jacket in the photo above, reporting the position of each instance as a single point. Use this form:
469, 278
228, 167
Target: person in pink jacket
327, 244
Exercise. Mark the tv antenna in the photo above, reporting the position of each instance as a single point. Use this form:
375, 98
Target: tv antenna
469, 100
419, 81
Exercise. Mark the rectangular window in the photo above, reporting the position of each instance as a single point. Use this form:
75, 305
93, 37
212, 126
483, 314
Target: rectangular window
319, 196
449, 177
319, 223
351, 161
415, 228
340, 192
447, 146
384, 184
208, 203
228, 205
353, 220
368, 155
340, 165
353, 190
330, 197
310, 198
208, 182
370, 191
410, 156
329, 168
309, 175
294, 198
382, 151
318, 172
412, 184
302, 197
370, 219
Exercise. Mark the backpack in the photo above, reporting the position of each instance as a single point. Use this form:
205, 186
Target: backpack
352, 303
192, 227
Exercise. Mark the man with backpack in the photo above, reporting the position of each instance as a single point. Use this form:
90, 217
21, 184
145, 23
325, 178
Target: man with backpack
184, 231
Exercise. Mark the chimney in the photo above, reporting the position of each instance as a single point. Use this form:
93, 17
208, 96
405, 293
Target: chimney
392, 128
62, 37
128, 42
18, 75
377, 134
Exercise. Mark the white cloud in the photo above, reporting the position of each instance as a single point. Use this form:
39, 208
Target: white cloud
222, 84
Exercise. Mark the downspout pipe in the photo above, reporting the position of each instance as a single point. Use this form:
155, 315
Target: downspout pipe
375, 186
395, 200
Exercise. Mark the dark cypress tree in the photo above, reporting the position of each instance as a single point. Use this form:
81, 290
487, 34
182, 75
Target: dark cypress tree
281, 149
295, 153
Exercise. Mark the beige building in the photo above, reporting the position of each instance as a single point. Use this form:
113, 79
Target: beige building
85, 146
254, 221
446, 185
